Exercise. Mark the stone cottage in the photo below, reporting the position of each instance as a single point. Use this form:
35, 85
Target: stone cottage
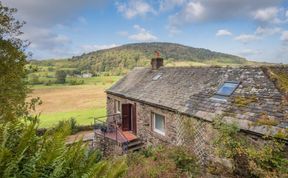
155, 102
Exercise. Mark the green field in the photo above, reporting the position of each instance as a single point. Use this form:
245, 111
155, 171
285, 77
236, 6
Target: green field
64, 101
83, 117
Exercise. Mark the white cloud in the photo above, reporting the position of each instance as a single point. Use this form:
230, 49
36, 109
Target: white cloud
263, 31
135, 8
284, 36
246, 38
45, 17
52, 12
170, 4
143, 35
286, 14
267, 14
192, 12
223, 32
45, 39
90, 48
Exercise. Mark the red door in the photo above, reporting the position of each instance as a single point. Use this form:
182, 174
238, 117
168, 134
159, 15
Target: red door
126, 117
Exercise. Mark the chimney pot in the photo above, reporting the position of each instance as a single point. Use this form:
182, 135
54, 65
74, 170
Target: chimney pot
156, 63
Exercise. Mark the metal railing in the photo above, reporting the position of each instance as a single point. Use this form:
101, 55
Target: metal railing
111, 125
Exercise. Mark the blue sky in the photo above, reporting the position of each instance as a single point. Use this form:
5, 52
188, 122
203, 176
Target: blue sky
257, 30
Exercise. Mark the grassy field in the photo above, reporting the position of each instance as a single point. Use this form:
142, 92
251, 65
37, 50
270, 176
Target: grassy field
82, 102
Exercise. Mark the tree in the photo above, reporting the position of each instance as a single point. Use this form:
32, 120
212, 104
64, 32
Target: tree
12, 65
60, 76
22, 152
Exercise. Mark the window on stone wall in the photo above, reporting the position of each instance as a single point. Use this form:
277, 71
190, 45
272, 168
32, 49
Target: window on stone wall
158, 123
117, 106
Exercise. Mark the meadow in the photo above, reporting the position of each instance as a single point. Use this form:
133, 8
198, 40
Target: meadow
64, 101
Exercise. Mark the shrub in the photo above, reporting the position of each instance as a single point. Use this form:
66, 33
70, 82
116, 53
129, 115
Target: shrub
76, 82
184, 160
34, 79
60, 76
162, 161
48, 83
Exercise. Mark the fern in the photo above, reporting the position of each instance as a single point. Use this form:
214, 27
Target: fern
24, 154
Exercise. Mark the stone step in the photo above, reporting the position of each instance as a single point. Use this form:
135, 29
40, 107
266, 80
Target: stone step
136, 148
134, 142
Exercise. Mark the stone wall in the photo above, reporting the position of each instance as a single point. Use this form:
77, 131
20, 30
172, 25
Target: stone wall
181, 130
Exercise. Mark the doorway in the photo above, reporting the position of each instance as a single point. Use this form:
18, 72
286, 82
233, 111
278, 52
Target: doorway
129, 117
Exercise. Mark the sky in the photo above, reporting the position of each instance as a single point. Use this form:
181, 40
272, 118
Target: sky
254, 29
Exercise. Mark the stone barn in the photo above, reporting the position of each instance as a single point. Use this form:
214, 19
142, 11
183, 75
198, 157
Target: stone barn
154, 103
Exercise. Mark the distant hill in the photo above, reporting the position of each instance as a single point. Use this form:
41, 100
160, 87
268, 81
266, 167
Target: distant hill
121, 59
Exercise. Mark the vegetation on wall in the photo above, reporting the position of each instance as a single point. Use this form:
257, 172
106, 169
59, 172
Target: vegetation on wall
250, 158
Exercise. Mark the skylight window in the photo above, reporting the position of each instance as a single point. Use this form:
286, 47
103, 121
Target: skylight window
156, 77
227, 88
225, 91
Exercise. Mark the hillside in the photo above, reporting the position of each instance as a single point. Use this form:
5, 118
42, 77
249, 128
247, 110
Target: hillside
119, 60
123, 58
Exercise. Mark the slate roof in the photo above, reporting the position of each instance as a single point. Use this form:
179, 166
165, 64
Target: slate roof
189, 90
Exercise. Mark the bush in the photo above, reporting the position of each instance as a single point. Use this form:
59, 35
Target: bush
71, 123
162, 161
48, 83
184, 160
60, 76
76, 82
34, 79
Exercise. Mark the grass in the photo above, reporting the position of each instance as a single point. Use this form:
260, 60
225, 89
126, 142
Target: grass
83, 117
63, 101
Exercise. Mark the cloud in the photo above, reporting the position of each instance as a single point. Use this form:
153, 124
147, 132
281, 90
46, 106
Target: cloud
90, 48
223, 32
46, 13
246, 38
44, 17
170, 4
217, 10
45, 39
192, 12
143, 35
264, 31
269, 14
284, 36
134, 8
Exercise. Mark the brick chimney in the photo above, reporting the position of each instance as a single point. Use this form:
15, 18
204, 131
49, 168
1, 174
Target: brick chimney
156, 63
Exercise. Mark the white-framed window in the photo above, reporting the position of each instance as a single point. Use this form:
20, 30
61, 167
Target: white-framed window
117, 105
158, 123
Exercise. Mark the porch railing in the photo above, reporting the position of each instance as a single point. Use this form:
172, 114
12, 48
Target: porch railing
111, 125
